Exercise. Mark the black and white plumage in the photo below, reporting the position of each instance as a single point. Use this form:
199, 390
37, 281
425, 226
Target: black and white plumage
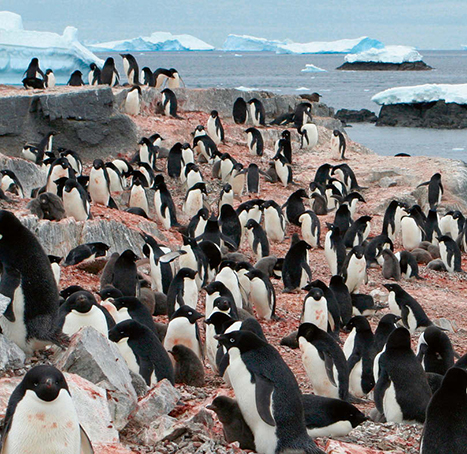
94, 75
215, 128
169, 103
109, 73
256, 112
255, 141
435, 351
435, 190
338, 144
130, 66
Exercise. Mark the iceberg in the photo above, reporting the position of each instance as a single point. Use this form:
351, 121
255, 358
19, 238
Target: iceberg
347, 46
62, 53
448, 93
309, 68
388, 54
157, 42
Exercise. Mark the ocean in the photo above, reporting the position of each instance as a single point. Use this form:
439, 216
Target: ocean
340, 89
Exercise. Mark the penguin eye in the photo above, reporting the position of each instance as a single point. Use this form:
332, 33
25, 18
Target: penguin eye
232, 340
190, 313
36, 383
122, 332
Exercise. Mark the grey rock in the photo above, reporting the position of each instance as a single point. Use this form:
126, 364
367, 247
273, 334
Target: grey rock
11, 356
95, 358
376, 175
158, 429
356, 116
387, 182
139, 384
446, 324
379, 66
160, 400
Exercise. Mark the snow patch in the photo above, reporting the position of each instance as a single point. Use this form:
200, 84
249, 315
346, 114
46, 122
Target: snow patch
247, 43
62, 53
309, 68
388, 54
157, 42
423, 93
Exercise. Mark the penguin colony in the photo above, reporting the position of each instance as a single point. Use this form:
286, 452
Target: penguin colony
223, 270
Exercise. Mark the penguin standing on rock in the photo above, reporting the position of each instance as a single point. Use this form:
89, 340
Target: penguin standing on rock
94, 76
169, 103
99, 185
133, 101
255, 141
257, 112
338, 144
215, 128
309, 136
130, 66
125, 275
76, 79
76, 201
109, 74
240, 111
435, 190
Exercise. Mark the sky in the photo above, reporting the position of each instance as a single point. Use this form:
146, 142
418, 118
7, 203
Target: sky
427, 24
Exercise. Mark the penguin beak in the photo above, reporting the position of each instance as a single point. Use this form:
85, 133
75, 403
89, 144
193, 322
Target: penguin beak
49, 383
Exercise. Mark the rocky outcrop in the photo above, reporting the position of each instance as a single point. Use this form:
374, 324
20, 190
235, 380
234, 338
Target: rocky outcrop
439, 115
86, 120
380, 66
356, 116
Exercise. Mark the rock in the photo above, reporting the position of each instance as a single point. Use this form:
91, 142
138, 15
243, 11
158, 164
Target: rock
7, 386
158, 429
86, 119
161, 400
387, 182
11, 356
139, 384
446, 324
92, 408
115, 448
437, 114
356, 116
95, 358
380, 66
338, 447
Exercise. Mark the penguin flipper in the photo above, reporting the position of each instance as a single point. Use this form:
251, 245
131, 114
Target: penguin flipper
11, 279
146, 368
263, 394
86, 446
380, 389
329, 365
426, 183
171, 256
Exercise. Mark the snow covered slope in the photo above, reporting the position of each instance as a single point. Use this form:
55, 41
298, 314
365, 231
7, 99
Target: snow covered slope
423, 93
250, 43
62, 53
158, 41
388, 54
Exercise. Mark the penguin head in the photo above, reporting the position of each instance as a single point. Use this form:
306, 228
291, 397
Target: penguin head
34, 61
173, 71
309, 331
214, 114
301, 193
70, 184
199, 131
128, 329
354, 195
220, 320
188, 312
98, 164
93, 66
243, 340
315, 293
109, 62
66, 292
335, 133
224, 407
255, 273
389, 319
49, 71
227, 264
358, 251
251, 224
350, 413
110, 292
360, 323
396, 288
455, 380
244, 266
187, 273
129, 256
81, 301
181, 352
129, 302
399, 339
45, 381
222, 303
203, 213
435, 337
215, 286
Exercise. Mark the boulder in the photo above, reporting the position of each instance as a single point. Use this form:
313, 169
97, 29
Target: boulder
95, 358
11, 356
339, 447
86, 119
7, 386
356, 116
381, 66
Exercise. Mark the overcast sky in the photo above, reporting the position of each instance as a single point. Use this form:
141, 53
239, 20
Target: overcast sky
425, 24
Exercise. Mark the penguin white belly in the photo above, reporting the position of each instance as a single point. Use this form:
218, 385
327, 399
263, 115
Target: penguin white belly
51, 81
238, 184
335, 146
330, 254
304, 278
445, 225
157, 205
260, 299
211, 346
252, 112
355, 380
174, 82
411, 233
356, 272
115, 182
209, 304
57, 173
245, 284
226, 168
376, 365
122, 315
228, 277
57, 272
391, 407
282, 172
443, 252
349, 343
316, 312
98, 188
411, 321
167, 105
245, 392
73, 205
316, 371
187, 156
212, 131
337, 429
138, 199
156, 275
181, 331
190, 293
40, 427
312, 134
252, 147
307, 232
128, 355
132, 103
75, 320
273, 225
188, 260
193, 178
194, 203
393, 306
28, 154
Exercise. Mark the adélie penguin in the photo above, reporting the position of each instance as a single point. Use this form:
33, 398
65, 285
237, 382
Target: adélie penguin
256, 112
450, 254
76, 200
240, 111
109, 74
435, 351
435, 190
76, 79
338, 144
274, 221
43, 392
255, 141
130, 66
354, 269
99, 184
163, 203
296, 272
262, 294
133, 100
215, 128
268, 395
188, 367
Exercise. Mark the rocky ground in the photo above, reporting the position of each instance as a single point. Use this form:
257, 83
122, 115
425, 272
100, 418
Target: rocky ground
188, 428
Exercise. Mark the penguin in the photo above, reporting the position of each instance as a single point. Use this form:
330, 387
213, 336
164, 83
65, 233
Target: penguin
322, 174
283, 169
252, 180
345, 174
354, 269
147, 77
133, 100
138, 196
94, 75
364, 305
189, 370
183, 290
187, 154
257, 239
163, 203
130, 66
60, 168
268, 394
234, 425
34, 71
192, 175
81, 309
392, 219
401, 303
237, 179
251, 209
109, 74
315, 309
240, 111
142, 351
169, 103
343, 219
50, 78
76, 201
197, 223
435, 190
352, 200
161, 75
99, 185
391, 266
374, 249
450, 254
256, 112
29, 284
344, 300
194, 199
431, 229
11, 183
184, 330
284, 146
226, 166
311, 228
229, 278
76, 79
295, 270
408, 265
358, 349
324, 362
35, 83
302, 114
435, 351
309, 136
402, 392
88, 251
385, 327
334, 316
129, 307
295, 206
147, 152
123, 166
174, 80
41, 416
318, 204
47, 206
452, 223
412, 233
274, 221
115, 177
205, 147
262, 294
338, 144
328, 417
445, 424
334, 250
215, 128
215, 290
230, 225
125, 275
358, 232
255, 142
